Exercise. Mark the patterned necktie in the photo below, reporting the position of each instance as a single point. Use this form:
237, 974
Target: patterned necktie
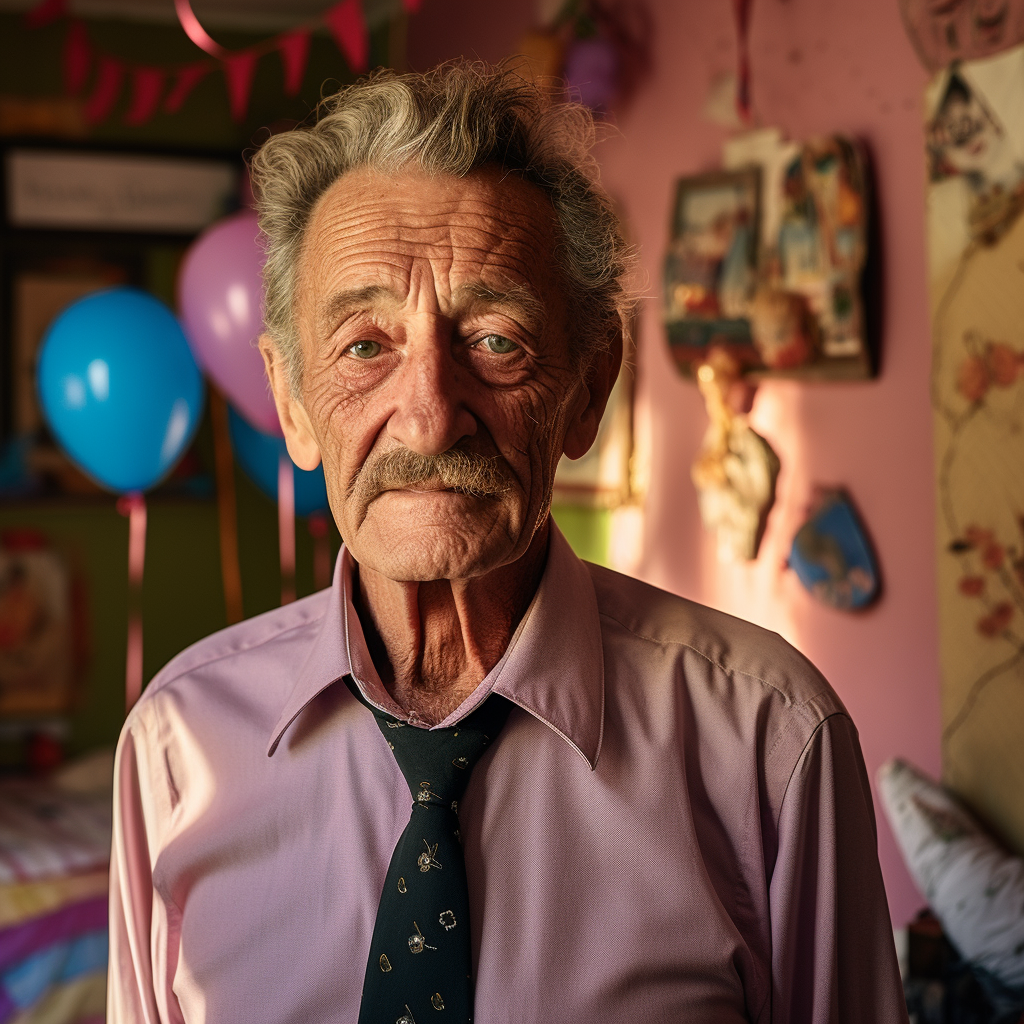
419, 968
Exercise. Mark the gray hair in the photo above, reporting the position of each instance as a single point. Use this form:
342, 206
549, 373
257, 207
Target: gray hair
452, 120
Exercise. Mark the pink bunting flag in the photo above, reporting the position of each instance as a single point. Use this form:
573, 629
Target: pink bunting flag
238, 71
347, 25
44, 13
106, 91
294, 50
188, 78
147, 87
76, 58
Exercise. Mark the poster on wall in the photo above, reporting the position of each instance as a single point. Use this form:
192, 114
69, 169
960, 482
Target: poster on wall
975, 137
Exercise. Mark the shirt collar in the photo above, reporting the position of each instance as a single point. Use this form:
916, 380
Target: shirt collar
553, 667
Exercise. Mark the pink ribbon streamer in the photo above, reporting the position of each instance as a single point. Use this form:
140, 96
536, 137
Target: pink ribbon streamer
195, 31
319, 530
286, 526
741, 10
134, 507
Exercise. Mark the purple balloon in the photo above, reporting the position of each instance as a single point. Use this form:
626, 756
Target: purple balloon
592, 72
220, 295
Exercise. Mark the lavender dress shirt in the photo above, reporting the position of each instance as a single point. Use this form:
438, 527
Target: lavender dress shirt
675, 824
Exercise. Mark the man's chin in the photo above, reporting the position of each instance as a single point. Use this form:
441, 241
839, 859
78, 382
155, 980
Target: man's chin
447, 536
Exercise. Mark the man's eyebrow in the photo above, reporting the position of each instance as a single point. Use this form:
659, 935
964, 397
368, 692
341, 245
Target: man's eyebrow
352, 300
518, 298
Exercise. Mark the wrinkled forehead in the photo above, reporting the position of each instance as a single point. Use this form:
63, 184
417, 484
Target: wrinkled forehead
391, 230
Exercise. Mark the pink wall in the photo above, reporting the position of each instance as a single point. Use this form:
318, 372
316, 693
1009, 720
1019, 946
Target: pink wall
818, 66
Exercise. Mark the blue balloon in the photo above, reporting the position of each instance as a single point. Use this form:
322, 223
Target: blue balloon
119, 387
258, 454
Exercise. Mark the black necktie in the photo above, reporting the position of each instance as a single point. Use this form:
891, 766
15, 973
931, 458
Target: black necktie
419, 968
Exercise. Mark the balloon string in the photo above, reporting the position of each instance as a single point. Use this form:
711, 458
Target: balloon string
134, 506
319, 531
227, 512
286, 526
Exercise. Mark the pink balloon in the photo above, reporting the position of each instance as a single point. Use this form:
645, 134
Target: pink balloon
220, 295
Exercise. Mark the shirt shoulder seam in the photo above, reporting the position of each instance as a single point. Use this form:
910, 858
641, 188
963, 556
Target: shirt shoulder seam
159, 683
711, 661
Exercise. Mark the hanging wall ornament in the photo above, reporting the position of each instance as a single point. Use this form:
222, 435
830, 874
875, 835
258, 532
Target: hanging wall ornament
736, 469
832, 556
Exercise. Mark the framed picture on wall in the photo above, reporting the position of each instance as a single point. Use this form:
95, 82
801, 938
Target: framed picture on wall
769, 261
711, 265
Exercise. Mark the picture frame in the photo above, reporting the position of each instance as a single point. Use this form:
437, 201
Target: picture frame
776, 262
710, 268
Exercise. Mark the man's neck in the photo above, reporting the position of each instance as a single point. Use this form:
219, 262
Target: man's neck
433, 643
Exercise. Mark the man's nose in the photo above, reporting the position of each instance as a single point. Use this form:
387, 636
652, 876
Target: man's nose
430, 413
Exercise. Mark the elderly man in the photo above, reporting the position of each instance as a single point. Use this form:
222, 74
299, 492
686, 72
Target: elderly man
624, 807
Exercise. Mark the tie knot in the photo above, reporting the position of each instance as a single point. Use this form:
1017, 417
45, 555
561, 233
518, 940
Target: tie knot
437, 763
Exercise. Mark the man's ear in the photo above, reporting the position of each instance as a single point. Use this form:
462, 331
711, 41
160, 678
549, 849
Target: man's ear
598, 384
298, 431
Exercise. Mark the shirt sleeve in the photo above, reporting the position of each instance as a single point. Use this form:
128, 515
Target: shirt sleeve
137, 919
833, 956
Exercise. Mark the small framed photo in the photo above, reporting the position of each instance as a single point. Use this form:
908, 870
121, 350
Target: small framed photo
711, 265
770, 262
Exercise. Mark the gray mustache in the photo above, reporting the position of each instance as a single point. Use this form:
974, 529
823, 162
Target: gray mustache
481, 476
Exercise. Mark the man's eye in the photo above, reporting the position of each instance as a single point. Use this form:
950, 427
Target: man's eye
497, 344
364, 349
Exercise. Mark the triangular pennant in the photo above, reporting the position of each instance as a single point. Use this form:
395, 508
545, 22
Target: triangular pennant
147, 87
106, 91
238, 72
76, 58
411, 6
347, 25
45, 12
188, 78
294, 49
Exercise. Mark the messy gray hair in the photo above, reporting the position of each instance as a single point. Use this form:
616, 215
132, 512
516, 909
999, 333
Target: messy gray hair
452, 120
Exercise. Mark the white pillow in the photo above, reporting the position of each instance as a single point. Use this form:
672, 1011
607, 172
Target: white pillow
973, 886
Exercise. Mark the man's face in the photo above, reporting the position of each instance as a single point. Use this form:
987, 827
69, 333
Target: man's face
431, 321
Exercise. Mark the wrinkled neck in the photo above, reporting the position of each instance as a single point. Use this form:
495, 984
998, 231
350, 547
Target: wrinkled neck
433, 642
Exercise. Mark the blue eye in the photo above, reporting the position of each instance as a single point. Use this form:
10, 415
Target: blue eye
499, 345
364, 349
